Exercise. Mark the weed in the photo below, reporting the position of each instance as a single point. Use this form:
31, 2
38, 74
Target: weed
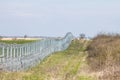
104, 55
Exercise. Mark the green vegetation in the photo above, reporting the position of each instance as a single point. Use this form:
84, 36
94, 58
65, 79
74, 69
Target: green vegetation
104, 56
97, 59
16, 41
64, 65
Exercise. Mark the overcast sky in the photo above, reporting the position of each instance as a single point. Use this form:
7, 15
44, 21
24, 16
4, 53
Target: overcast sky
57, 17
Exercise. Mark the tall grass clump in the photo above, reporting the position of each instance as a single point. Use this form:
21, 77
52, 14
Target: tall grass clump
104, 56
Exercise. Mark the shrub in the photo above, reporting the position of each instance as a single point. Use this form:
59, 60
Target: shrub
104, 52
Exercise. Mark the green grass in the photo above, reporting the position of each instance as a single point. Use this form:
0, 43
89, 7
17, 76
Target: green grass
64, 65
16, 41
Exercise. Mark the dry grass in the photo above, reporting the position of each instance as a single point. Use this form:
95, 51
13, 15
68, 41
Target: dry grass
104, 56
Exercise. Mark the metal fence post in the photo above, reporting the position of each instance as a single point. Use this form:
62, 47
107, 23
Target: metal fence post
3, 53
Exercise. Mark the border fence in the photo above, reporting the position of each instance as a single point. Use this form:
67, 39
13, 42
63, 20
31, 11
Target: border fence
18, 57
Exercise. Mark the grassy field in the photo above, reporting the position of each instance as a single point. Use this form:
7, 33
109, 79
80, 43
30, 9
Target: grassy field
16, 41
97, 59
64, 65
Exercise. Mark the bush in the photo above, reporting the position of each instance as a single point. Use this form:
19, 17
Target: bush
104, 52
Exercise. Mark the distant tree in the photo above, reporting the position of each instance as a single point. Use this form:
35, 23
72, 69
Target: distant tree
25, 36
82, 36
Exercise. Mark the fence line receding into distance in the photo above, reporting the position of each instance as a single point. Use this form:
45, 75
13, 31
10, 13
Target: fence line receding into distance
17, 57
